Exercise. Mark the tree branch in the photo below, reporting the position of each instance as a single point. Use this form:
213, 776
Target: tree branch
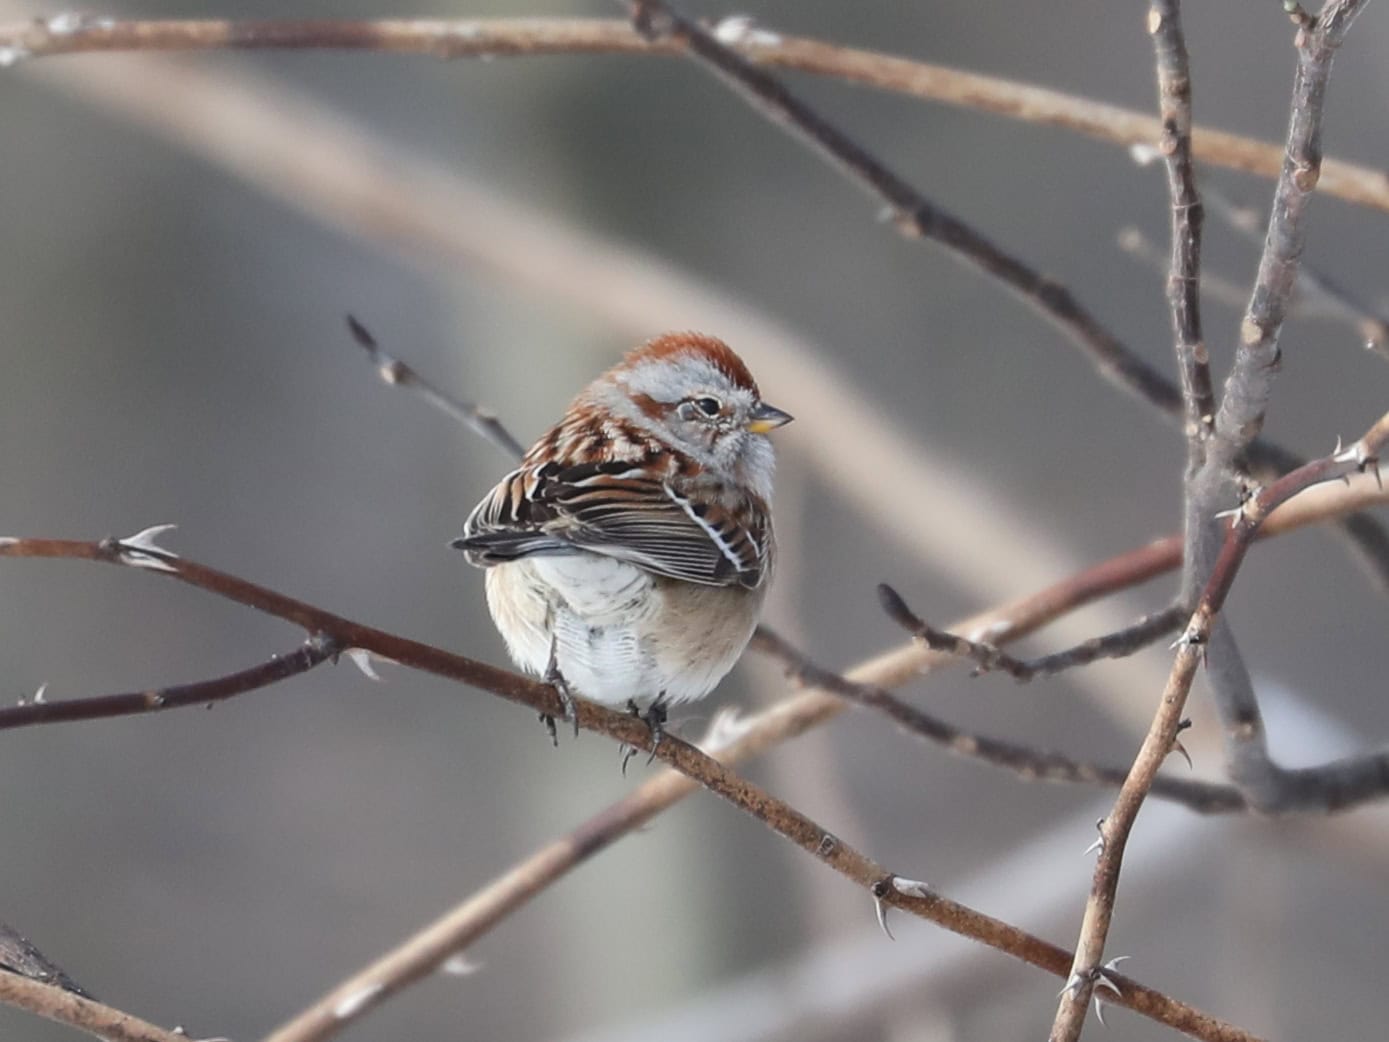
501, 37
1256, 363
1184, 279
479, 419
989, 656
1087, 968
326, 1017
1027, 763
77, 1011
312, 652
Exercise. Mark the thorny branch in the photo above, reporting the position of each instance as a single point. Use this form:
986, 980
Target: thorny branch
1246, 394
323, 1020
1026, 762
1191, 650
989, 657
314, 651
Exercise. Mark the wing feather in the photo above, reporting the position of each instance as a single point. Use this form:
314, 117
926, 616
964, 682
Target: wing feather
617, 509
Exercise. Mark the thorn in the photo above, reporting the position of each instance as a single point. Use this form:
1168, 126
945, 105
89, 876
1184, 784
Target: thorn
141, 551
1101, 981
459, 966
879, 892
1098, 845
1178, 747
911, 887
1073, 984
361, 658
38, 695
1113, 964
1193, 637
1099, 1007
353, 1003
738, 30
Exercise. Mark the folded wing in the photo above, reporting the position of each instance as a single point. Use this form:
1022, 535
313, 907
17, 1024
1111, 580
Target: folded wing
618, 510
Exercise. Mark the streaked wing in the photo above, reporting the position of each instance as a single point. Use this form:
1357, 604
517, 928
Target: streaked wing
616, 509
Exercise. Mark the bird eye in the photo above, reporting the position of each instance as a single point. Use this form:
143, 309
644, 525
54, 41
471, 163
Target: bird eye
709, 406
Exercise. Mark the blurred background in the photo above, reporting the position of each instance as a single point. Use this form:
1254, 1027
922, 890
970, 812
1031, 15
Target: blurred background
175, 351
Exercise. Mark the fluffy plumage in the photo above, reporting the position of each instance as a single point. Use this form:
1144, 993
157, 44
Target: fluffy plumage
631, 549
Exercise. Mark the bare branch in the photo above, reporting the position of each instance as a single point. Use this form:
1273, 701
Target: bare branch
1026, 762
1317, 294
501, 37
77, 1011
695, 765
1184, 278
479, 419
988, 656
1250, 381
312, 652
1159, 743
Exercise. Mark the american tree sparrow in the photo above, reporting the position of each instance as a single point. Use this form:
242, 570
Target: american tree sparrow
628, 556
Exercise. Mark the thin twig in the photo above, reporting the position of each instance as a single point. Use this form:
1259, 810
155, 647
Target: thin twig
1087, 969
479, 419
1184, 277
503, 37
1026, 762
988, 656
1317, 295
312, 652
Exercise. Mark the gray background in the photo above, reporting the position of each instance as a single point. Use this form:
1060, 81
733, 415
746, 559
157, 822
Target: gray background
174, 351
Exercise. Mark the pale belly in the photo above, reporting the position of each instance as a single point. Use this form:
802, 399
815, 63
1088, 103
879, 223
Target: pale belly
620, 634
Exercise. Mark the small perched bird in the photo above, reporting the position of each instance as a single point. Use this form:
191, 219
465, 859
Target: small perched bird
629, 554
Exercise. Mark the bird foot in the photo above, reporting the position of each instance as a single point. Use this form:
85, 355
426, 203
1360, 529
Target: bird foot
654, 718
570, 711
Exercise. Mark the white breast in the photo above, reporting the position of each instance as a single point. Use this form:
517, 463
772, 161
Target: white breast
620, 634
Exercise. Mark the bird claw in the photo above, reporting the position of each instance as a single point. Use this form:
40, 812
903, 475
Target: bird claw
654, 718
568, 710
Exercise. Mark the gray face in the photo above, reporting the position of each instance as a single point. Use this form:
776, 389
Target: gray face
702, 413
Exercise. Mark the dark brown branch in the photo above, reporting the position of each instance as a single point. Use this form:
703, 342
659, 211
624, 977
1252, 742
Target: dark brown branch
1118, 644
312, 652
477, 418
1162, 734
913, 214
1184, 278
1026, 762
505, 37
